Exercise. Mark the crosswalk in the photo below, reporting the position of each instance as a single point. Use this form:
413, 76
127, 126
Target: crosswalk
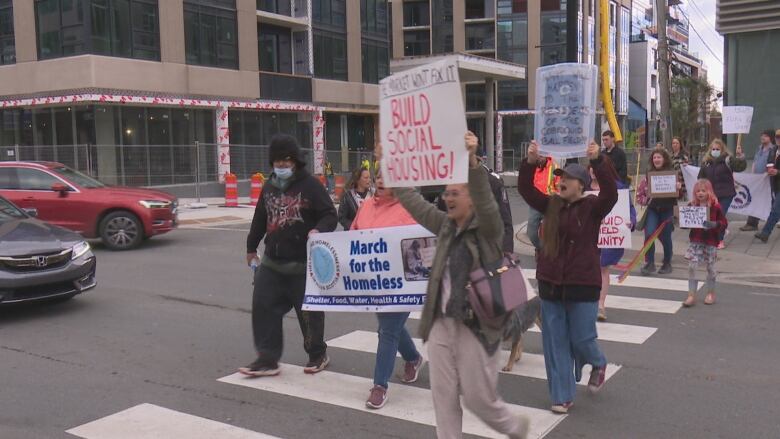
407, 403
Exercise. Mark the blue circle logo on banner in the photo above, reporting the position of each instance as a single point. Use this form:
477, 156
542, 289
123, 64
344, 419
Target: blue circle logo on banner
324, 265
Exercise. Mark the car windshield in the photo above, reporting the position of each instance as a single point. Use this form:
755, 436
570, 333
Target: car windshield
77, 177
9, 212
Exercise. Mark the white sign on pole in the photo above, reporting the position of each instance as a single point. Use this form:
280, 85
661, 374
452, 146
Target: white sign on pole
565, 109
737, 119
615, 230
693, 217
422, 122
372, 270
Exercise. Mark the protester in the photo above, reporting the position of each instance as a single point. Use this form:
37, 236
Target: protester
616, 154
704, 242
330, 177
658, 211
719, 167
463, 351
384, 210
679, 159
774, 215
567, 271
294, 206
358, 190
545, 181
610, 256
760, 160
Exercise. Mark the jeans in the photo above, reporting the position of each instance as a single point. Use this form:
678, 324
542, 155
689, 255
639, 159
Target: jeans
725, 203
653, 220
569, 343
774, 216
393, 338
532, 229
274, 295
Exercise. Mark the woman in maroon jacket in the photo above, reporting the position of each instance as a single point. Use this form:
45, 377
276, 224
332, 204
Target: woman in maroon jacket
569, 271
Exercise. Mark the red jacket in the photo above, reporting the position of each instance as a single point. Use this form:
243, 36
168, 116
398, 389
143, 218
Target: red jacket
578, 260
711, 236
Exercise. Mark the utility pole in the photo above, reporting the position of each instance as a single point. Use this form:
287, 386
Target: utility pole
664, 86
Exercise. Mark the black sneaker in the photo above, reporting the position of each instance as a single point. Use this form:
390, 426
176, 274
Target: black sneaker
261, 368
648, 268
317, 365
666, 268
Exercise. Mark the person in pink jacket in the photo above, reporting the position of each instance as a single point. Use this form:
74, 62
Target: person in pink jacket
384, 210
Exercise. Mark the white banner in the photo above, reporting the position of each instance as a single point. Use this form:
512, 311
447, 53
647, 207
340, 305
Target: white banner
615, 231
693, 217
754, 196
737, 119
422, 122
373, 270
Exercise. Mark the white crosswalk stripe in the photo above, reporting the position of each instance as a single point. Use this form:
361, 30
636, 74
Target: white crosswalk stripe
642, 304
650, 282
530, 365
406, 403
149, 421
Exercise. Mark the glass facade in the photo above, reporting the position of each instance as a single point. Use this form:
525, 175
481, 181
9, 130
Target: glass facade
476, 9
211, 33
123, 28
625, 39
417, 13
329, 19
274, 46
7, 45
553, 38
375, 48
442, 26
480, 36
283, 7
512, 46
417, 43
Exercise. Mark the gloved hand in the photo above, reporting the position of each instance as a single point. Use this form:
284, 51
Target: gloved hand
709, 224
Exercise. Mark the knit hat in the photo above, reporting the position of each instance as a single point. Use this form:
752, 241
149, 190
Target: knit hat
285, 147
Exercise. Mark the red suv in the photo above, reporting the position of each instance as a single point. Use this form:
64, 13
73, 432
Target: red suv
121, 216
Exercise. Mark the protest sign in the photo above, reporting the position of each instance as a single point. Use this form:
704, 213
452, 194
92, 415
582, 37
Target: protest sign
422, 122
737, 119
566, 109
754, 195
615, 230
693, 217
372, 270
662, 184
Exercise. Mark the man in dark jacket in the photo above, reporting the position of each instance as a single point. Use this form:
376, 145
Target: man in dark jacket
774, 214
616, 154
293, 206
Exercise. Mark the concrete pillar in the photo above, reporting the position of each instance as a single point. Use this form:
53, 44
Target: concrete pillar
490, 122
172, 48
105, 148
499, 143
24, 31
247, 35
354, 42
397, 32
223, 140
318, 142
534, 52
458, 25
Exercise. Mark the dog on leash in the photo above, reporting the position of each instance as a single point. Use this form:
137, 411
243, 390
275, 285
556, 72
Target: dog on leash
520, 321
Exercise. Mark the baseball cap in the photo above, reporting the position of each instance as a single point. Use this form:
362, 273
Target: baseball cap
575, 170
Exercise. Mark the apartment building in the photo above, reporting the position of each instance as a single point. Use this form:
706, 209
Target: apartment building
123, 88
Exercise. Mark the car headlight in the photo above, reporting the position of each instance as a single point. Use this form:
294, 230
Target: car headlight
80, 249
155, 204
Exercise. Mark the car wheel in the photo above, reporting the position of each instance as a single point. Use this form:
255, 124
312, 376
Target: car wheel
121, 231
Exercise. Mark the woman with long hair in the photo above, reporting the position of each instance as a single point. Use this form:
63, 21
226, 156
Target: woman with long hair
659, 212
679, 159
719, 166
358, 190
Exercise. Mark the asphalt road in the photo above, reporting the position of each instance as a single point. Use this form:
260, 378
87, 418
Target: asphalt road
170, 319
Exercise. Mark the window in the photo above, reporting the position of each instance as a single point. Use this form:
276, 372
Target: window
374, 17
480, 36
274, 49
330, 13
8, 179
417, 43
475, 97
35, 180
553, 39
376, 61
275, 6
480, 9
375, 47
7, 43
512, 46
210, 33
124, 28
416, 14
330, 56
441, 29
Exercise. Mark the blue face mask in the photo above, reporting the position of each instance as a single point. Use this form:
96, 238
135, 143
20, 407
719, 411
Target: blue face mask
283, 173
715, 153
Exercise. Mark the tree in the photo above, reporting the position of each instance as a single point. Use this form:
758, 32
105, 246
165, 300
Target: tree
691, 100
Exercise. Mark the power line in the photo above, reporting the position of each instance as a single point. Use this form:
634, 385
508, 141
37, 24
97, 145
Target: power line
706, 20
703, 41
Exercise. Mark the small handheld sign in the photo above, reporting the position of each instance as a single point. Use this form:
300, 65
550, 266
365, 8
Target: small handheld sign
662, 184
693, 217
737, 119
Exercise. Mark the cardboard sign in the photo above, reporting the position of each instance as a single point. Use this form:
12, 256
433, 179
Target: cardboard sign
422, 122
566, 109
693, 217
737, 119
373, 270
662, 184
615, 230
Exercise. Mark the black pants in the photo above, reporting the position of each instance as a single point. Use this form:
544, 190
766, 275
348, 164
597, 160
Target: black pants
752, 221
274, 294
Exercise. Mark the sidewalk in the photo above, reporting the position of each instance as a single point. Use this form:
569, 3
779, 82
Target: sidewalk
215, 213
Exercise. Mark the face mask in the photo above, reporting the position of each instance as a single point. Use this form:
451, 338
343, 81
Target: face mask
283, 173
715, 153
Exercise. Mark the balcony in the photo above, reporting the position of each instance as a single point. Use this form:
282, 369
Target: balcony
282, 87
292, 14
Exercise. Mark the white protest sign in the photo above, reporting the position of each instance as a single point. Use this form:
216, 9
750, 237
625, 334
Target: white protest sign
737, 119
693, 217
565, 109
663, 184
372, 270
615, 230
422, 122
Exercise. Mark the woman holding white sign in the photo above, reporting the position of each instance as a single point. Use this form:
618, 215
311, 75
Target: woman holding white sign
659, 212
568, 271
719, 167
384, 210
462, 351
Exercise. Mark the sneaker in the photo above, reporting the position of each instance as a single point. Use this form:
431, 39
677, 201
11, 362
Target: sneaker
666, 268
602, 317
314, 366
648, 269
412, 370
377, 398
748, 228
597, 378
562, 408
721, 245
762, 237
261, 368
690, 301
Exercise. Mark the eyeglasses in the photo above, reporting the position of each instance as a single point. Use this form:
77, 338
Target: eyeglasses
451, 194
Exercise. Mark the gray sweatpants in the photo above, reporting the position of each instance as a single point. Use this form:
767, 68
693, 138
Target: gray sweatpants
459, 365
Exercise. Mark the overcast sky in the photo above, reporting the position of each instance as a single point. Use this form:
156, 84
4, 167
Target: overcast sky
702, 16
